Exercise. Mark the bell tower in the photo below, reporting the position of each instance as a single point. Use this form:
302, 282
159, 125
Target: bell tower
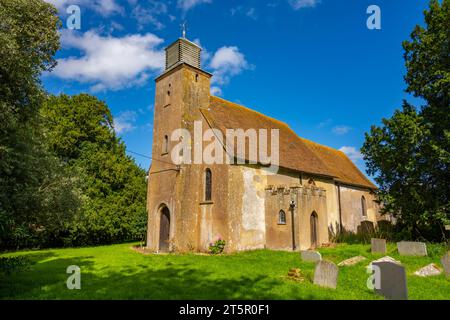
183, 51
180, 92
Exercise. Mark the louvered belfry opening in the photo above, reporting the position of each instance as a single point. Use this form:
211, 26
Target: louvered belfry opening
183, 51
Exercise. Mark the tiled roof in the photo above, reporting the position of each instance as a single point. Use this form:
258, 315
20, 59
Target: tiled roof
295, 153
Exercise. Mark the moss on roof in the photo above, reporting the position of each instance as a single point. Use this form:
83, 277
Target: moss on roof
295, 153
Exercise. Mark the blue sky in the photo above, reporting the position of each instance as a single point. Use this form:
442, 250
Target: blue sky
312, 64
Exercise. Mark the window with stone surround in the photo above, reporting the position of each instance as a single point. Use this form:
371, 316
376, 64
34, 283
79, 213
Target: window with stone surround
363, 206
165, 148
208, 184
282, 217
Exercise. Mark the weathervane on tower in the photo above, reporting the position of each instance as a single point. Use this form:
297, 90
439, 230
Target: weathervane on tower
183, 29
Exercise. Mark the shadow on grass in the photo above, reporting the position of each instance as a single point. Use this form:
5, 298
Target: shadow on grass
47, 280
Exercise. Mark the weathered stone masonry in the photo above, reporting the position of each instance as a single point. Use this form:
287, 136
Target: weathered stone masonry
316, 191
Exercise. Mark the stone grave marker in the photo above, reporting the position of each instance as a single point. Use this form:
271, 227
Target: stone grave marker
326, 274
352, 261
310, 256
385, 259
392, 281
366, 227
409, 248
428, 270
378, 245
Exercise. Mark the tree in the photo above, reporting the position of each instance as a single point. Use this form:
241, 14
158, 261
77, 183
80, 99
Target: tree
409, 154
36, 195
65, 178
80, 132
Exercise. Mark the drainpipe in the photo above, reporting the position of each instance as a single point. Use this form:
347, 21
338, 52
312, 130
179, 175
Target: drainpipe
292, 207
340, 208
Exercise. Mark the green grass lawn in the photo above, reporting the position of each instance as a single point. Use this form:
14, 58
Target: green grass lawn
117, 272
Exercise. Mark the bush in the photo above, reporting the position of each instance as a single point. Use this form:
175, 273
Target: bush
217, 247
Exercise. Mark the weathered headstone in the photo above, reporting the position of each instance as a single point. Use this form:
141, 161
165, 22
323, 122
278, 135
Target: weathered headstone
386, 259
311, 256
445, 260
366, 227
408, 248
392, 280
326, 274
428, 270
378, 245
384, 226
351, 261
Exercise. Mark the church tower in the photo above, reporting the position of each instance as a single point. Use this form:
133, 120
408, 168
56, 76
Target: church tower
181, 91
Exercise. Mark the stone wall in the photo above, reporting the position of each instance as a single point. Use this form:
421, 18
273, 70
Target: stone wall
296, 233
245, 205
352, 209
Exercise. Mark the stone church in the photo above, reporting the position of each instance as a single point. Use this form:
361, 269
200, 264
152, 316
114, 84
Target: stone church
316, 192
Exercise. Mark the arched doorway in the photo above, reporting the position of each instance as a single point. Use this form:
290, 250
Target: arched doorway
164, 230
314, 221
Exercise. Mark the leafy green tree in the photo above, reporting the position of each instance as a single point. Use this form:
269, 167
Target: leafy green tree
409, 154
36, 195
80, 132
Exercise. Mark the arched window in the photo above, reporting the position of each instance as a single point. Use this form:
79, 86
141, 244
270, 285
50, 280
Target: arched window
282, 217
166, 144
208, 184
363, 206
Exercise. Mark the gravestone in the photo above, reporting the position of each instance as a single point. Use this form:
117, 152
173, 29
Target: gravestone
351, 261
386, 259
384, 226
446, 263
392, 281
409, 248
447, 227
326, 274
378, 245
366, 227
428, 270
310, 256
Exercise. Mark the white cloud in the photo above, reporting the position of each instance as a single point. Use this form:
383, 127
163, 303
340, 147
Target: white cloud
227, 62
124, 122
216, 91
250, 12
205, 55
324, 123
300, 4
340, 130
352, 153
187, 5
109, 62
104, 7
149, 13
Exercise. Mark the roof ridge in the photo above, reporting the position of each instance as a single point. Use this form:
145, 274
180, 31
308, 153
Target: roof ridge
342, 154
312, 157
279, 121
254, 111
